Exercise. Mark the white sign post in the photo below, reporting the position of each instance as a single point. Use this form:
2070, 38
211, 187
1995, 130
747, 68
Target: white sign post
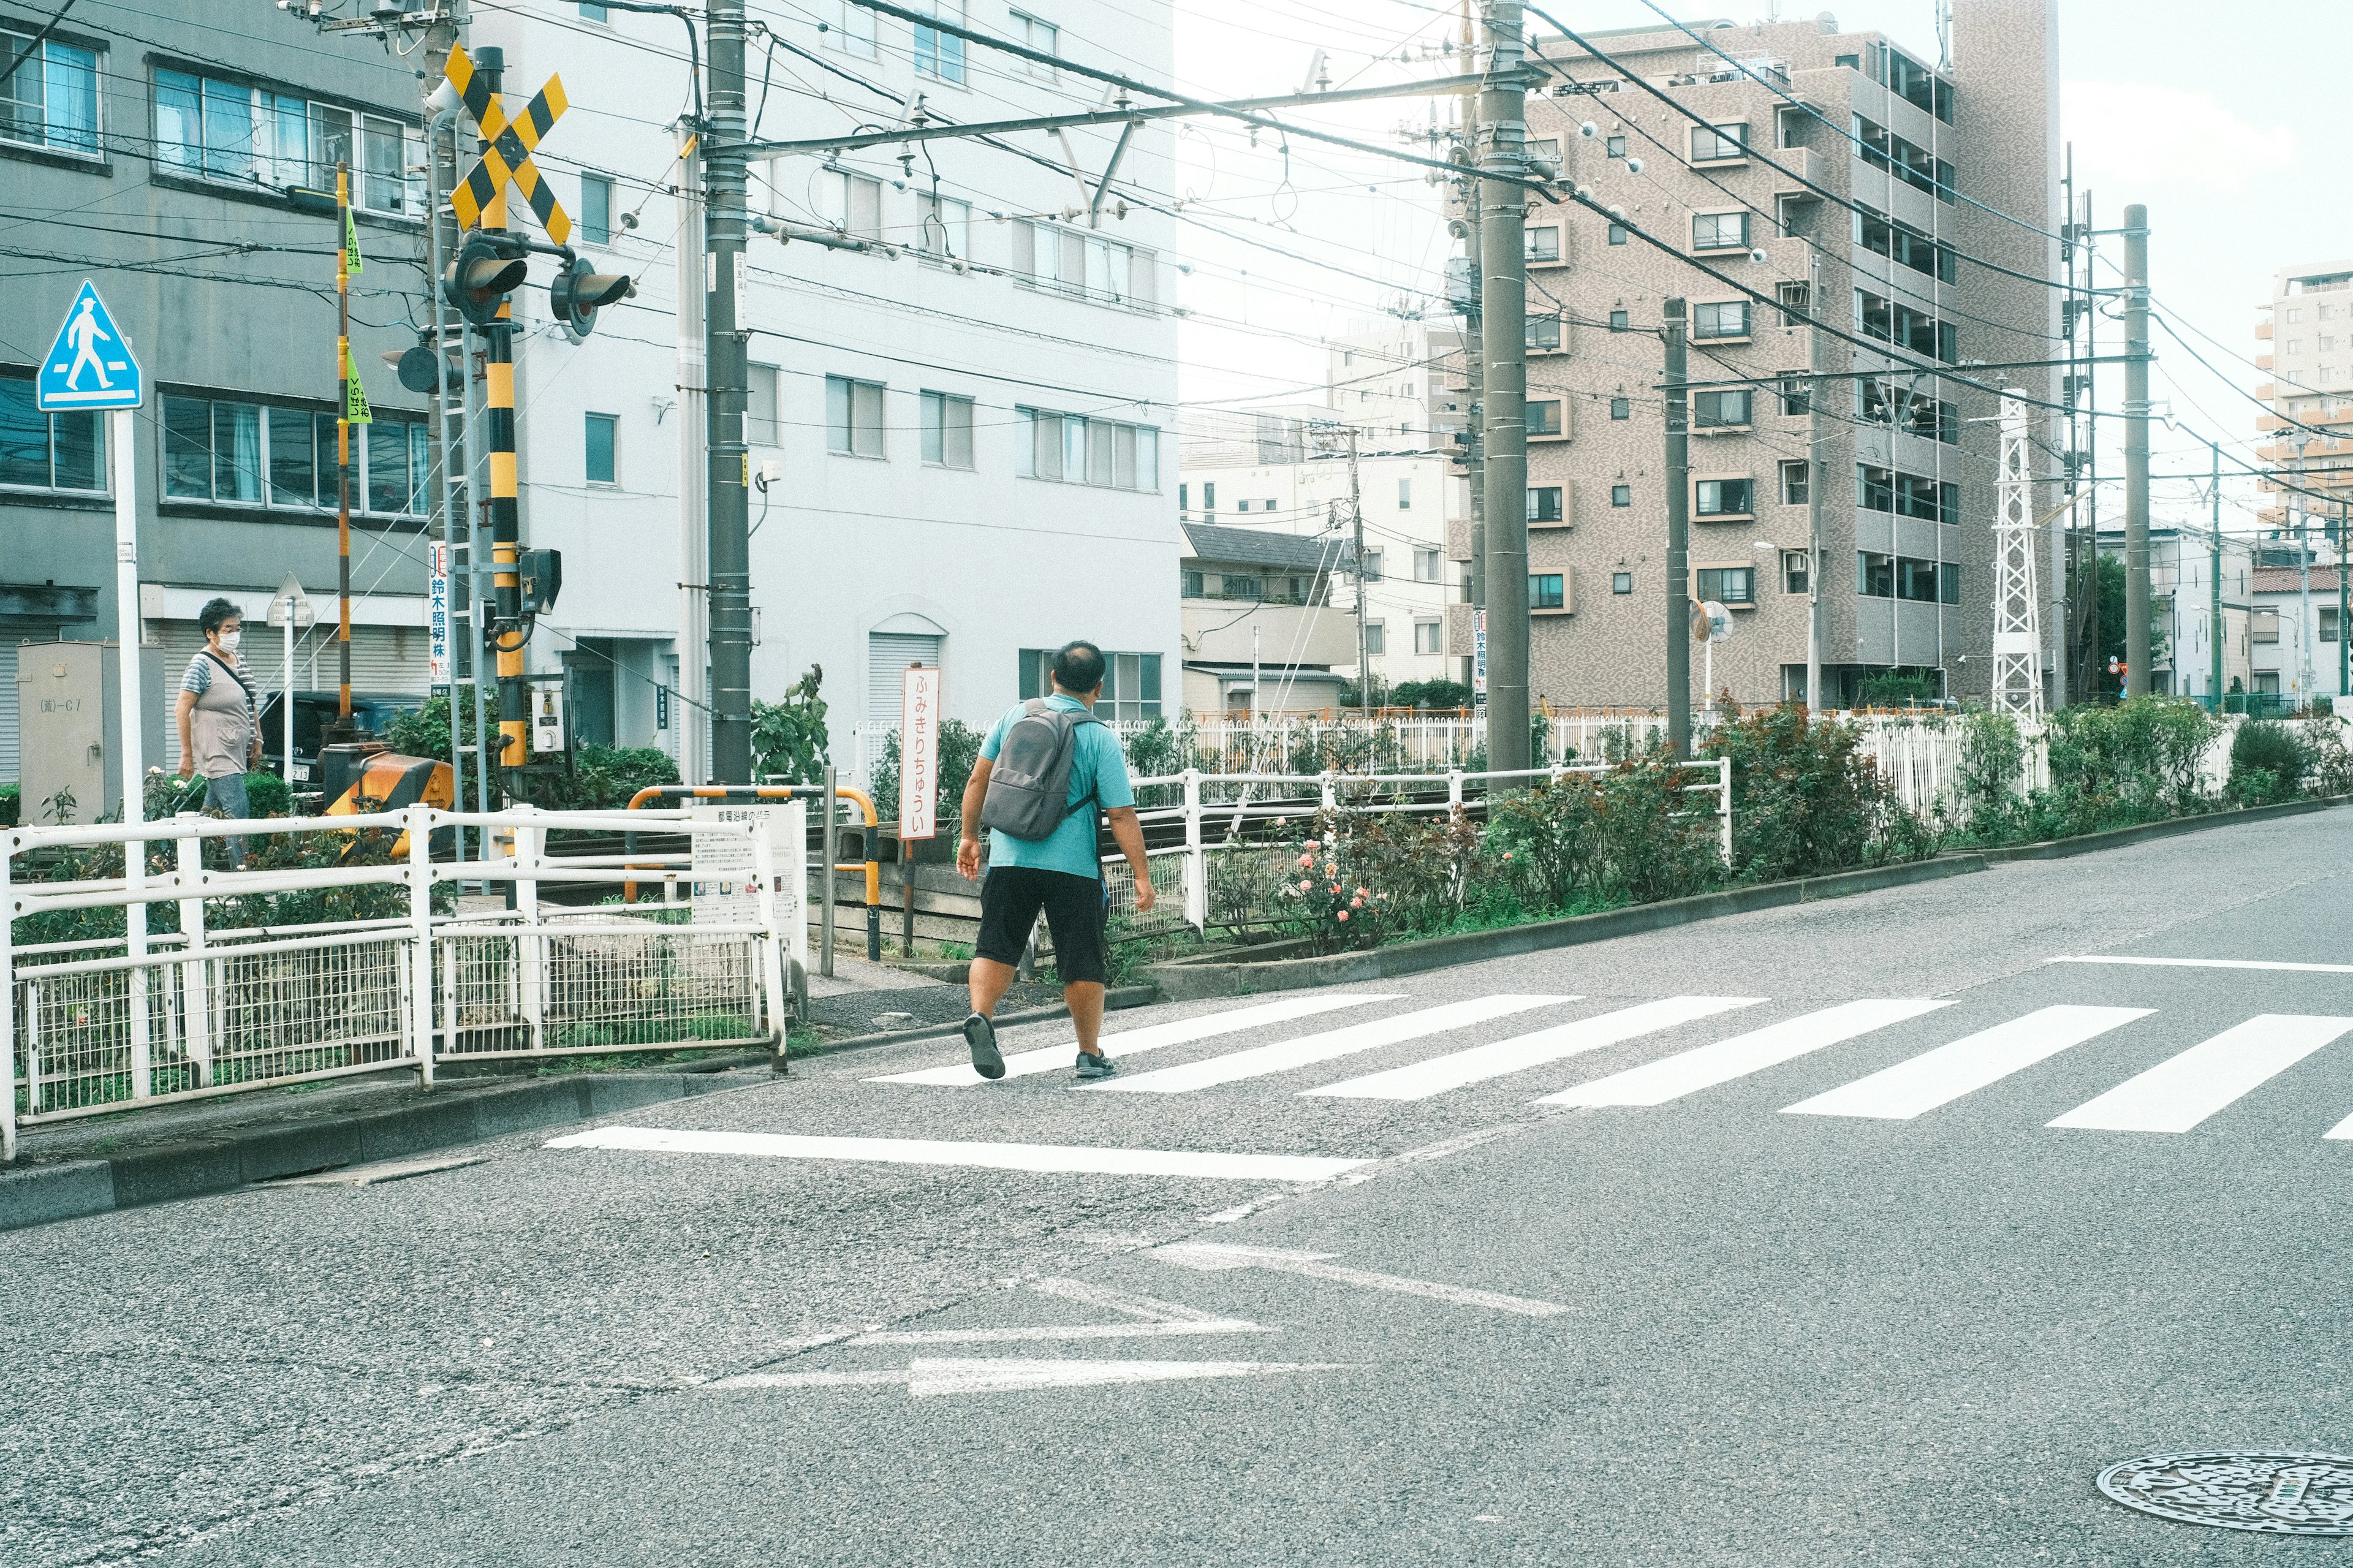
88, 368
290, 608
919, 753
437, 643
1715, 624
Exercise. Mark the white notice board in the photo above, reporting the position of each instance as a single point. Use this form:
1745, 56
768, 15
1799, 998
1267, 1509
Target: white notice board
726, 877
919, 753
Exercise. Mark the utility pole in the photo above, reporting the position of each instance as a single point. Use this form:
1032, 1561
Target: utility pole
1474, 406
2303, 581
1678, 570
693, 708
2094, 669
724, 358
2214, 592
2137, 641
1364, 636
2344, 604
1816, 478
1503, 255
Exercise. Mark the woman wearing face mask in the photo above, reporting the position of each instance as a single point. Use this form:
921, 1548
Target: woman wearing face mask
220, 729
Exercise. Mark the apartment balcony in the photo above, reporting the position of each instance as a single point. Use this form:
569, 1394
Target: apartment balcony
2267, 391
2263, 332
1218, 631
2263, 362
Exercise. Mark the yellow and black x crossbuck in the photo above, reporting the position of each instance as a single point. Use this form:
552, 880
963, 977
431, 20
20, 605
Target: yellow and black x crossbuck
507, 160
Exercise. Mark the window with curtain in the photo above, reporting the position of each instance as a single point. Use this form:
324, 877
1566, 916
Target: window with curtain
1079, 450
1077, 261
50, 101
233, 453
210, 128
1727, 584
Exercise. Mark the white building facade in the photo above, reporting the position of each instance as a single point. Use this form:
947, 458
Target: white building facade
961, 409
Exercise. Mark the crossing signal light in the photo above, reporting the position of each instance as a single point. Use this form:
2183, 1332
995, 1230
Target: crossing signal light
580, 290
481, 278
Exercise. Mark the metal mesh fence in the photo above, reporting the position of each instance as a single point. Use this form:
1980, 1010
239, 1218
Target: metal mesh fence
553, 989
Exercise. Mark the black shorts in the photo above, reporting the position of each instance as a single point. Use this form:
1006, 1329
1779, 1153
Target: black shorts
1010, 898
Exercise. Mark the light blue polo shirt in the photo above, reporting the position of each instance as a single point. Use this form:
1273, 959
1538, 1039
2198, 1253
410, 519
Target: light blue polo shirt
1097, 766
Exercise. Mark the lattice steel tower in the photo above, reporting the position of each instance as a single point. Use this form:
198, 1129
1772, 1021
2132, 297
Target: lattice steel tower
2017, 605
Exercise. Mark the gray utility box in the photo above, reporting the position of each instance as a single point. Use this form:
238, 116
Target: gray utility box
68, 712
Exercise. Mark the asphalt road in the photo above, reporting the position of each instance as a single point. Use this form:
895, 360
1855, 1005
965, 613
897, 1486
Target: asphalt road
1907, 1324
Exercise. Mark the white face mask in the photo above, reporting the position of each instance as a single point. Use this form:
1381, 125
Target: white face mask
229, 640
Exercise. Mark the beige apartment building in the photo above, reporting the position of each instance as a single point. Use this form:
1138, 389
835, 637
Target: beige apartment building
2308, 328
1907, 458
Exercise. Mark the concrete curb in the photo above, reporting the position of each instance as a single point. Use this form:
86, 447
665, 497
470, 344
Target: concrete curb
1115, 999
190, 1167
1188, 980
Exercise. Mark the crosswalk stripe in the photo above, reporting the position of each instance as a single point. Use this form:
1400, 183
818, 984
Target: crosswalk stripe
1497, 1059
1062, 1157
1128, 1042
1935, 1077
1307, 1051
2178, 1093
1671, 1077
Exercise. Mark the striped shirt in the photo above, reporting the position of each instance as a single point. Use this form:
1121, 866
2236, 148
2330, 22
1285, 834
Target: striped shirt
199, 679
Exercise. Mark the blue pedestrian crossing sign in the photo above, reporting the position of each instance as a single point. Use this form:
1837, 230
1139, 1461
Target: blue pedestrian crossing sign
90, 365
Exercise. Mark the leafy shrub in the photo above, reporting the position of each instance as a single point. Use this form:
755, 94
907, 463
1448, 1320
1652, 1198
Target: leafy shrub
789, 737
2331, 771
12, 802
1992, 753
1806, 800
2113, 766
1895, 691
2268, 762
1430, 694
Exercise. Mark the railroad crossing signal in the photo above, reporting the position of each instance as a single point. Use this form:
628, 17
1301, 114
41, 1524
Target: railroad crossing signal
507, 160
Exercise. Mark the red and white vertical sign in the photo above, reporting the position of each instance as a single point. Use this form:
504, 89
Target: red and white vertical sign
919, 753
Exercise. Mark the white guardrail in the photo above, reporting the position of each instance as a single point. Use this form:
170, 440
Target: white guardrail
1334, 790
95, 1025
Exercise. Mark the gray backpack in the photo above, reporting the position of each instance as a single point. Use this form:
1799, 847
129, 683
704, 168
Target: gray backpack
1030, 783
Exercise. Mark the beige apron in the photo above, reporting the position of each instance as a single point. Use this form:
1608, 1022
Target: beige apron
220, 726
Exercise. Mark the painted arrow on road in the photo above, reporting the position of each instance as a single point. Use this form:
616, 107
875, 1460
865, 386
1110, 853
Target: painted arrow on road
930, 1379
1318, 1266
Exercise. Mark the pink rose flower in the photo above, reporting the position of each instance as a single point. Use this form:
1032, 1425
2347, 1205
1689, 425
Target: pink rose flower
1344, 914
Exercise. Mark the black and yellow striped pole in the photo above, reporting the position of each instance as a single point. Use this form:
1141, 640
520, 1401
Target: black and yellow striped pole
350, 404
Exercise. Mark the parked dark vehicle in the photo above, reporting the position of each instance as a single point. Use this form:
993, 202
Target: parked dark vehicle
312, 711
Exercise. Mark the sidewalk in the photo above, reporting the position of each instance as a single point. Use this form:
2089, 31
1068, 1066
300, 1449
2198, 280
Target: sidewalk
861, 997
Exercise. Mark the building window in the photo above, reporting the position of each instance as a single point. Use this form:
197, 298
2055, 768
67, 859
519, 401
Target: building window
1728, 585
1796, 482
1428, 637
1424, 566
2328, 623
1796, 396
1077, 261
1208, 495
1796, 302
851, 29
1621, 408
1546, 590
48, 451
1617, 234
1043, 37
1948, 583
947, 430
851, 204
595, 209
1082, 451
1544, 503
593, 13
1914, 165
1726, 497
2263, 626
2294, 346
1727, 320
853, 417
1376, 637
1899, 241
937, 54
1372, 569
1720, 410
1916, 580
1544, 333
1615, 147
1621, 495
1621, 582
603, 437
1921, 86
1618, 322
238, 454
1405, 495
1715, 144
1245, 586
1907, 495
1543, 244
1874, 575
1720, 231
760, 426
1544, 417
1795, 578
1196, 585
948, 227
260, 138
51, 102
1131, 689
1242, 506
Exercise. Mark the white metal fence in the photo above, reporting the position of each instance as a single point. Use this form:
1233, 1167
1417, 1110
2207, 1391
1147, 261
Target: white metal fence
97, 1024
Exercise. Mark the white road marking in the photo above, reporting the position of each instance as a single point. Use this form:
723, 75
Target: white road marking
1312, 1048
1498, 1058
2207, 964
1128, 1042
1056, 1157
1937, 1078
927, 1379
1671, 1077
1161, 1320
1214, 1256
2181, 1091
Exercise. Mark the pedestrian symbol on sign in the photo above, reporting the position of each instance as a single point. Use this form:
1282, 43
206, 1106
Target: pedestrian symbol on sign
90, 365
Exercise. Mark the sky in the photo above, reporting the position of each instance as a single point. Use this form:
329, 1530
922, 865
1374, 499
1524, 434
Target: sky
2213, 117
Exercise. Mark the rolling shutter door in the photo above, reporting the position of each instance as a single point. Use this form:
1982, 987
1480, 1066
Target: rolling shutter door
8, 758
888, 655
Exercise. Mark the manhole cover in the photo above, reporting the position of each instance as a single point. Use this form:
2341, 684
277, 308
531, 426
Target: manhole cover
2279, 1494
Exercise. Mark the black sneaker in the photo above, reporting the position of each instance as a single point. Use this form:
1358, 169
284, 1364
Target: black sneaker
981, 1035
1094, 1064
